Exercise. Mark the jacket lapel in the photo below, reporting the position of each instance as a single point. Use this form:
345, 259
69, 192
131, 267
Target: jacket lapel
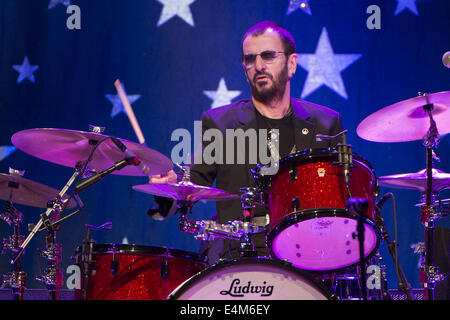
304, 130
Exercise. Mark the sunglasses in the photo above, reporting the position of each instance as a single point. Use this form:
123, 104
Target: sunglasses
268, 56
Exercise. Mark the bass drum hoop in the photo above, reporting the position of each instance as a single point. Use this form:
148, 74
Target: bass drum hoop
133, 249
304, 275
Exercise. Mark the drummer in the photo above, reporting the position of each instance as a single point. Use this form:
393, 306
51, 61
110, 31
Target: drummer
269, 60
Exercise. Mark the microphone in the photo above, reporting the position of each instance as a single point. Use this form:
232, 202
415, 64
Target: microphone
86, 183
131, 154
446, 59
357, 205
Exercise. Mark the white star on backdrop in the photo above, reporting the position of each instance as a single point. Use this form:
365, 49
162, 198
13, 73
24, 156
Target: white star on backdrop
54, 3
324, 67
174, 8
5, 151
296, 4
118, 106
25, 71
222, 96
406, 4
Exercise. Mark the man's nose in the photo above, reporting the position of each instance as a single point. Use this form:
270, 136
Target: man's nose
259, 63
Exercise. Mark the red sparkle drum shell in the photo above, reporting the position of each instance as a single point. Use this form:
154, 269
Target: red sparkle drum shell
310, 226
252, 279
143, 272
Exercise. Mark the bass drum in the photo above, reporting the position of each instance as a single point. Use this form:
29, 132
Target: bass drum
131, 272
251, 279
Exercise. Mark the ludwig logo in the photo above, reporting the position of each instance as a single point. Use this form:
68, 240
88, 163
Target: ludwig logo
237, 290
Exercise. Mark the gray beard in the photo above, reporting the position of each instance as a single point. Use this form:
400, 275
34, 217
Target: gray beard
273, 93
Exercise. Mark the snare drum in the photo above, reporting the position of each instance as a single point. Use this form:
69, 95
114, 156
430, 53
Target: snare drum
252, 279
131, 272
310, 226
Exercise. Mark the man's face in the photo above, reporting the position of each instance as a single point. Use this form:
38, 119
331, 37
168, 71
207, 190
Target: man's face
267, 79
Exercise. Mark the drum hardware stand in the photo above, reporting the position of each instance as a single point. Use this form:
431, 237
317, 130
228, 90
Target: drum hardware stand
52, 277
429, 272
208, 229
249, 198
86, 255
17, 279
345, 156
357, 207
403, 284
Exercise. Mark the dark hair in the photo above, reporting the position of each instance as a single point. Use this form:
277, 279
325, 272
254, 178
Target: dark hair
258, 29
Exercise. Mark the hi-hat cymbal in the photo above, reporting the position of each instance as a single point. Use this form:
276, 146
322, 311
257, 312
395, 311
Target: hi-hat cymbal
185, 191
17, 189
68, 147
418, 180
406, 120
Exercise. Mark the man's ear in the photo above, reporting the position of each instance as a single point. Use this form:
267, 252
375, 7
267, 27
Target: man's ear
292, 64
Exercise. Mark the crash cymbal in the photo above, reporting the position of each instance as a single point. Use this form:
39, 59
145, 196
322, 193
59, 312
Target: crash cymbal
185, 191
418, 180
68, 147
406, 120
19, 190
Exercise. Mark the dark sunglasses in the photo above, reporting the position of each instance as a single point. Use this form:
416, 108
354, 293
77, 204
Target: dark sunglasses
268, 56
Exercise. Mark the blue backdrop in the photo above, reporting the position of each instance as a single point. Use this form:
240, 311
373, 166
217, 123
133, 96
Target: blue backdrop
178, 58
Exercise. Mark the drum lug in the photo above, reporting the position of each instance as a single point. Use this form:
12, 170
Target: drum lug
293, 173
296, 205
165, 269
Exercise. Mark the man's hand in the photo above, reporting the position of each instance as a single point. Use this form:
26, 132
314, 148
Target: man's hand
169, 177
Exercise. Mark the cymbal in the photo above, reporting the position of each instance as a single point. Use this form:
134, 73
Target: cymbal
68, 147
185, 191
406, 120
417, 180
19, 190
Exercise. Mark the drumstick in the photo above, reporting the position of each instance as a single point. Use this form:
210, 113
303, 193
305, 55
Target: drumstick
129, 111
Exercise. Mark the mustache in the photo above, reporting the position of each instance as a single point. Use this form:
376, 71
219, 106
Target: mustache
262, 74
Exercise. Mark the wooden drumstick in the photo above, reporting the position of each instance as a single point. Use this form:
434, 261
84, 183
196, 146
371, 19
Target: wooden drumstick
129, 111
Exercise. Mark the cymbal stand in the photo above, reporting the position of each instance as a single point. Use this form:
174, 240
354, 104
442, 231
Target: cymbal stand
429, 272
392, 248
17, 279
53, 276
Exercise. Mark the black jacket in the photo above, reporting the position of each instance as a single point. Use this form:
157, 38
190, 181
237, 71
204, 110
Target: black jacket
309, 119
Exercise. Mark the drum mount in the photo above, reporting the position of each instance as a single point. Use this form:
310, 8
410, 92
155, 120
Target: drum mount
16, 279
237, 230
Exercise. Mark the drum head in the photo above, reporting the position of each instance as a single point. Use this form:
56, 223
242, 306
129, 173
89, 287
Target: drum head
251, 279
316, 240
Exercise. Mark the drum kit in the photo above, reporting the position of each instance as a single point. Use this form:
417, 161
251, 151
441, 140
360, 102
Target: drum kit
324, 229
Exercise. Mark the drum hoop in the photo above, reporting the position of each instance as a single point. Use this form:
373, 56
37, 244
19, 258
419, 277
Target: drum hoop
304, 275
132, 249
321, 153
309, 214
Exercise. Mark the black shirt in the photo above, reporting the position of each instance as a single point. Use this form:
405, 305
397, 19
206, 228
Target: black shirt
285, 127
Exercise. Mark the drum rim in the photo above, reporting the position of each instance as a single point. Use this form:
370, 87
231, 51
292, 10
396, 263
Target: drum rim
309, 154
318, 153
134, 249
308, 214
305, 275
